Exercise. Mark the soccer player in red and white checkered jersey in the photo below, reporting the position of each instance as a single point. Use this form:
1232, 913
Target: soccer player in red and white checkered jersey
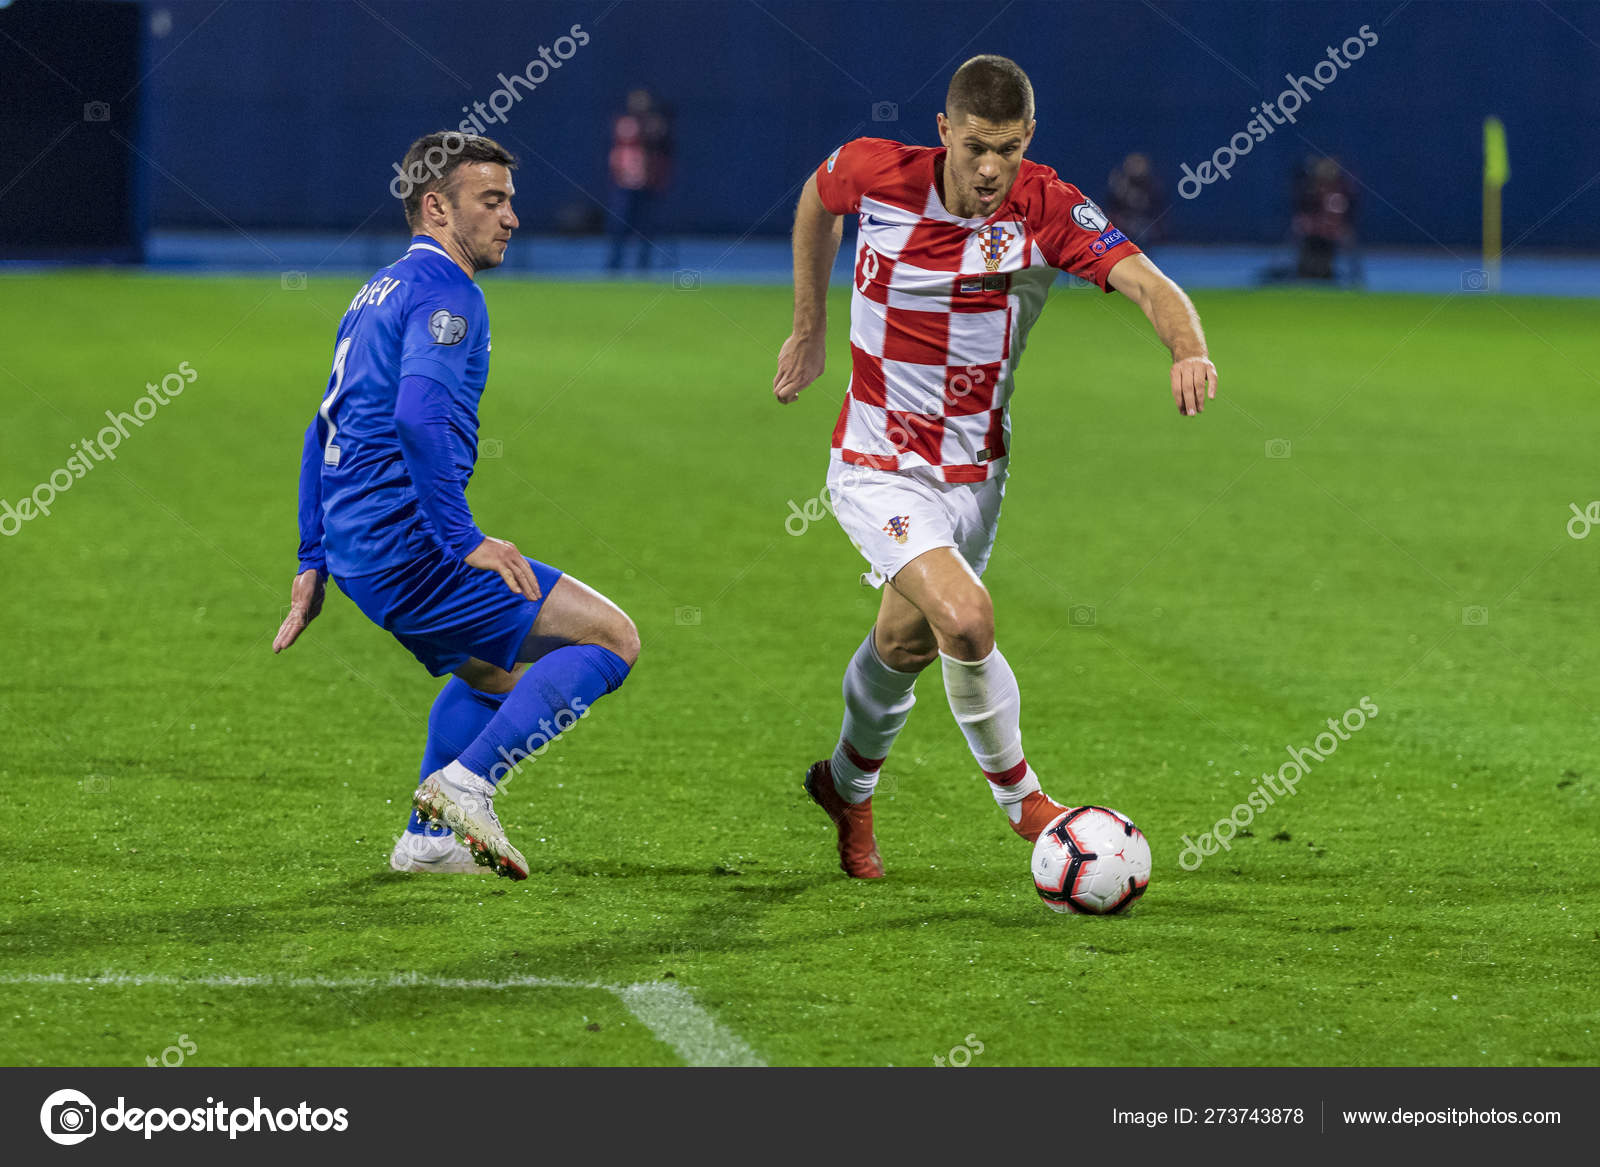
956, 252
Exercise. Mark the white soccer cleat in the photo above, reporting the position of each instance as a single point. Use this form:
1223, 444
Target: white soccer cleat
467, 808
439, 854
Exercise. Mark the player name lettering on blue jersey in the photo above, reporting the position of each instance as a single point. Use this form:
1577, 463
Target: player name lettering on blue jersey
374, 293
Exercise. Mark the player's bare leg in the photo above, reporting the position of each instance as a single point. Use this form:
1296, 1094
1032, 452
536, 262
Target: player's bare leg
904, 638
574, 613
979, 684
576, 632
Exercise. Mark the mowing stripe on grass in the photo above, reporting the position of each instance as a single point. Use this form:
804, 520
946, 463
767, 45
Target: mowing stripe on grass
666, 1010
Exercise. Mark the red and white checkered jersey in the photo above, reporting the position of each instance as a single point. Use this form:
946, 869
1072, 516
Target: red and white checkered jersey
942, 305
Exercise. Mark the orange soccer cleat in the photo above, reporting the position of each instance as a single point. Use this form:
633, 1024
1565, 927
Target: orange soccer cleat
1038, 809
858, 849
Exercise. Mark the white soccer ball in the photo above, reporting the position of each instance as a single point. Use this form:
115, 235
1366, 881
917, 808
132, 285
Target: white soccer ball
1091, 860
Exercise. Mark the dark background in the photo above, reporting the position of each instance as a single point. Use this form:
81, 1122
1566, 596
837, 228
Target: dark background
288, 114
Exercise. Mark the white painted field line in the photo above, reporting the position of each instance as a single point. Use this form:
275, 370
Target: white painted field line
666, 1010
266, 980
672, 1015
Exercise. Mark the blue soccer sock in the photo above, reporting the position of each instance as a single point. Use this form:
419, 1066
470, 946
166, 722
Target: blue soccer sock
552, 695
458, 716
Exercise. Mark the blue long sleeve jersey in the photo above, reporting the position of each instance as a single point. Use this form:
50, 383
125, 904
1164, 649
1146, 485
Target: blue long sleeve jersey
386, 461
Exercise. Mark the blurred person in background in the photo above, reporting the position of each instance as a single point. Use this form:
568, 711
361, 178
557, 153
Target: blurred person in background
1136, 199
1323, 224
640, 164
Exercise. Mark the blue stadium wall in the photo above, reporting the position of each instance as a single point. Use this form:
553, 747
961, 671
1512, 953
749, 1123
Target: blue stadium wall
289, 115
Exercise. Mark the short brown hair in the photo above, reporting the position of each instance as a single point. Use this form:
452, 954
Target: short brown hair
992, 88
432, 161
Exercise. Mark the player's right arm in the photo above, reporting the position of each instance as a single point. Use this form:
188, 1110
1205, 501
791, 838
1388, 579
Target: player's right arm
310, 582
817, 232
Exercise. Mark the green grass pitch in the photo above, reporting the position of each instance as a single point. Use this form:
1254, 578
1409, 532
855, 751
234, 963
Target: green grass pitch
1180, 606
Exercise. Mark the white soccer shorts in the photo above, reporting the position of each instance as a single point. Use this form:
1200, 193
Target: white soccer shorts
893, 517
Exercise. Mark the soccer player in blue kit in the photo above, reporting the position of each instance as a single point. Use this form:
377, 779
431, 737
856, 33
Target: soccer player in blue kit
383, 510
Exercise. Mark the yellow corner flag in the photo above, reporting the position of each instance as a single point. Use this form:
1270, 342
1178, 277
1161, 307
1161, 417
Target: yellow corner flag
1496, 172
1496, 163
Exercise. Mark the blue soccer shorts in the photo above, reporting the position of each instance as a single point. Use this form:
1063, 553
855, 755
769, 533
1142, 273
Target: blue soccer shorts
445, 612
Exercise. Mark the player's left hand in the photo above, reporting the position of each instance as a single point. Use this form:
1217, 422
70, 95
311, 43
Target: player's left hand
305, 601
800, 362
501, 556
1193, 380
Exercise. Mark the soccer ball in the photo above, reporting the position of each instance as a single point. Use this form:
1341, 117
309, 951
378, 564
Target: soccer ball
1091, 860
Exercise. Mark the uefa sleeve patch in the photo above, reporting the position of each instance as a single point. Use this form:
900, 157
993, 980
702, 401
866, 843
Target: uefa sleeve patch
1107, 241
446, 328
832, 158
1090, 217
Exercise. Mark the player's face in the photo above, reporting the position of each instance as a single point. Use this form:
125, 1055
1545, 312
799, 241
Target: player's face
481, 218
981, 161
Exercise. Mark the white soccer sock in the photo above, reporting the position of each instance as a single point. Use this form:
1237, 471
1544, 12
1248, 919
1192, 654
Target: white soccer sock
987, 706
877, 701
464, 778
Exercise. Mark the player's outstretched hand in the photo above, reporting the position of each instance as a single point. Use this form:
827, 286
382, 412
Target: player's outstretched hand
800, 362
1193, 380
305, 601
501, 556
